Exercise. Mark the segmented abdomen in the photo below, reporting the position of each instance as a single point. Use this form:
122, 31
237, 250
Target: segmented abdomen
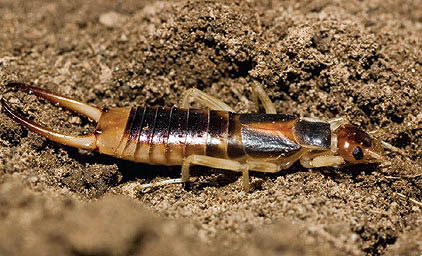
164, 136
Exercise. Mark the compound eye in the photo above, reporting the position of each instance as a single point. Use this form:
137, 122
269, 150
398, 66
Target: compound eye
357, 153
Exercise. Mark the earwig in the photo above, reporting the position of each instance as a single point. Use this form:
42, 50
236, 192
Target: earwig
216, 137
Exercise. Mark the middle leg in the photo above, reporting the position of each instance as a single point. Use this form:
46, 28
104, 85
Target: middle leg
217, 163
270, 167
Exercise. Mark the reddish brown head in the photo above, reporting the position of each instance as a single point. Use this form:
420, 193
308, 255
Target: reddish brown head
357, 146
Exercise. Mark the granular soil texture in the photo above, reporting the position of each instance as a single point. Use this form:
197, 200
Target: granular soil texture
361, 60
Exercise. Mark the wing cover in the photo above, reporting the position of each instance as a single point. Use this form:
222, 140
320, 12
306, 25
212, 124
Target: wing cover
268, 135
314, 134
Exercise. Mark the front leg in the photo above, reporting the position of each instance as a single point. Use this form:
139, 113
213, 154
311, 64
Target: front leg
320, 159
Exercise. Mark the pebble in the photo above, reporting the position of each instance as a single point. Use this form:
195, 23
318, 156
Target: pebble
112, 19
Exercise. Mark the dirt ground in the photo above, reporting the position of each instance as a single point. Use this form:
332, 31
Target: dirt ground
361, 60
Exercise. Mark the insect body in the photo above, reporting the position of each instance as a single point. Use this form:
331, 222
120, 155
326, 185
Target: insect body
215, 137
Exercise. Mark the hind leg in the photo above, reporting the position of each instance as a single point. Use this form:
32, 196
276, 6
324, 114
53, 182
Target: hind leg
212, 162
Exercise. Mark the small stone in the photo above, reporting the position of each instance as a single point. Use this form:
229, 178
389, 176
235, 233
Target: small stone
112, 19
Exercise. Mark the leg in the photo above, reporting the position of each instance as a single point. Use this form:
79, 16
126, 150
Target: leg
264, 166
258, 92
161, 183
204, 99
336, 123
320, 159
218, 163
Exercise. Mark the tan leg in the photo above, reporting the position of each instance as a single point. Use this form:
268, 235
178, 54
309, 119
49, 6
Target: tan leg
204, 99
334, 125
264, 166
258, 92
208, 161
217, 163
161, 183
289, 161
337, 122
321, 159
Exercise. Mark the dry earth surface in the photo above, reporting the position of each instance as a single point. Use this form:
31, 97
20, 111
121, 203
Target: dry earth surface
361, 60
